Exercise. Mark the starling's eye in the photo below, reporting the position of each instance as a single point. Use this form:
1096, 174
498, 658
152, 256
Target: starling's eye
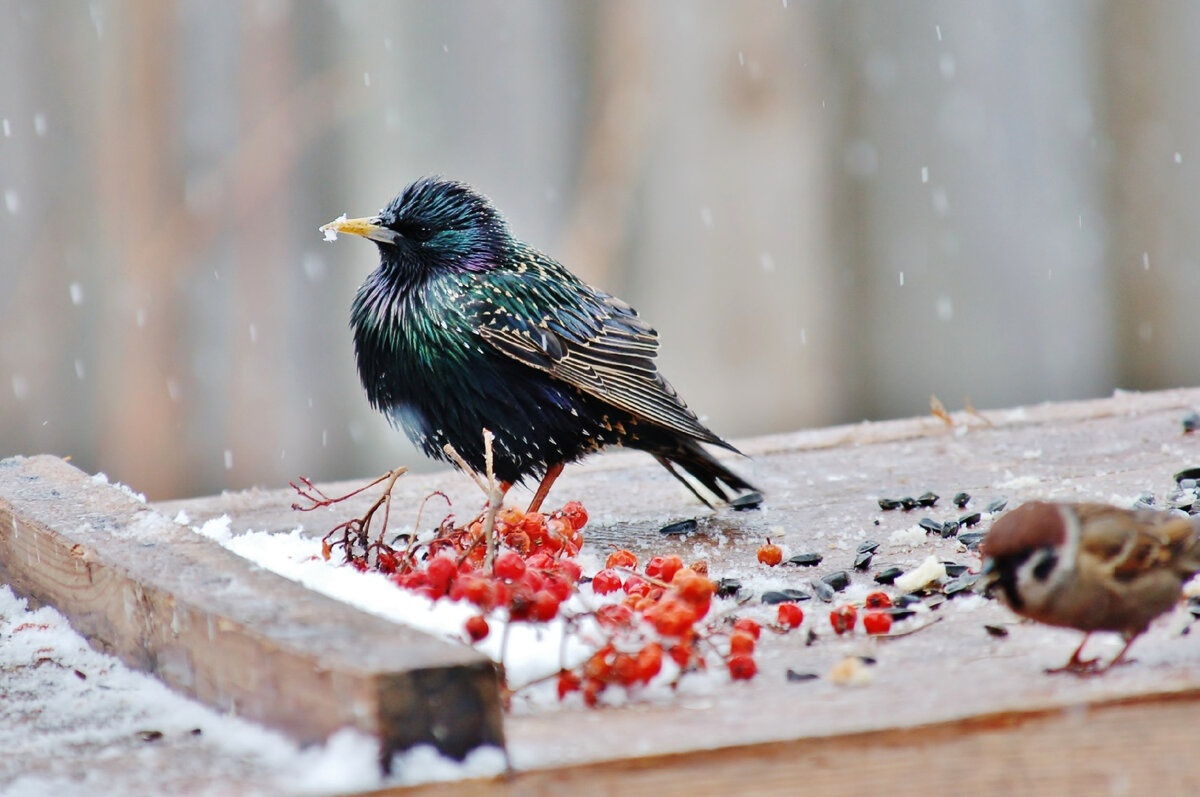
416, 232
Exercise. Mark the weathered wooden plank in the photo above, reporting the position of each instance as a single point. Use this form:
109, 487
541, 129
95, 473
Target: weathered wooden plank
170, 602
929, 688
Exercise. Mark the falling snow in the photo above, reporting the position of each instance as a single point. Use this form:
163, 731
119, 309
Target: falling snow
76, 293
12, 200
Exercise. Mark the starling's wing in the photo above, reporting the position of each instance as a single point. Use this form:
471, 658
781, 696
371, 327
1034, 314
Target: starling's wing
549, 320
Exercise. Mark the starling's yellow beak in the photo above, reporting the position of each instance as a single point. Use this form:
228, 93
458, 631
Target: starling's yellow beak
367, 228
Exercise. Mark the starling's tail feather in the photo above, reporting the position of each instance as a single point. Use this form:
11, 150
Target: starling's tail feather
702, 466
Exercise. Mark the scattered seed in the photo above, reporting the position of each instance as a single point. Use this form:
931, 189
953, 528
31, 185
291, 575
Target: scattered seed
81, 675
746, 502
928, 500
728, 587
961, 500
962, 583
888, 575
775, 596
949, 529
805, 559
996, 630
997, 506
1189, 473
838, 579
195, 732
972, 539
954, 569
934, 601
899, 613
868, 546
794, 676
863, 560
150, 736
930, 525
1191, 422
888, 504
907, 503
907, 599
679, 527
823, 591
970, 520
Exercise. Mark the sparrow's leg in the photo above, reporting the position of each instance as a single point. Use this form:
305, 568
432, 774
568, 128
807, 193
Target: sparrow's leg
1075, 664
1120, 657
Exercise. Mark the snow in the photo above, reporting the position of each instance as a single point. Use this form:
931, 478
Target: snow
69, 710
330, 233
76, 293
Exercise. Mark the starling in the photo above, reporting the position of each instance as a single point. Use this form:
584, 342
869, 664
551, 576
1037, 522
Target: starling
464, 328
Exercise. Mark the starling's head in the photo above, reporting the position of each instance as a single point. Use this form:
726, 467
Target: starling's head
433, 225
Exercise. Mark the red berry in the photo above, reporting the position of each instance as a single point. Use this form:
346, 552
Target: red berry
606, 581
545, 606
571, 569
621, 558
877, 622
649, 661
615, 615
748, 626
534, 524
477, 627
439, 571
540, 561
671, 617
664, 567
567, 682
740, 643
843, 619
878, 600
693, 587
790, 615
742, 667
637, 586
510, 566
770, 554
575, 514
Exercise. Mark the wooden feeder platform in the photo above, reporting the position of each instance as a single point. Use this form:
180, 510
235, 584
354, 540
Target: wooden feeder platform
951, 706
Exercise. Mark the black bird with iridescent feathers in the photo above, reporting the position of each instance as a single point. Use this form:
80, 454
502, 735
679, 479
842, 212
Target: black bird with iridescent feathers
464, 328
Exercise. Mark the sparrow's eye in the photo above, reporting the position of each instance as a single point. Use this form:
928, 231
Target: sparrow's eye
1047, 560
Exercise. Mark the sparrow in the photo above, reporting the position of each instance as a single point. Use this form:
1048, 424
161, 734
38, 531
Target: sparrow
1092, 567
463, 327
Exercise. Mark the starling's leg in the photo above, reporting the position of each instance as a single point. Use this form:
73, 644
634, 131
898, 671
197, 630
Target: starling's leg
544, 487
1075, 664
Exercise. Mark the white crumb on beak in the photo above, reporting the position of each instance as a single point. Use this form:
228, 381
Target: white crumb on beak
330, 233
925, 573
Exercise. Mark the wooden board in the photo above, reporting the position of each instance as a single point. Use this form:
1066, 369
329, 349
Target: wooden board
170, 602
948, 707
948, 702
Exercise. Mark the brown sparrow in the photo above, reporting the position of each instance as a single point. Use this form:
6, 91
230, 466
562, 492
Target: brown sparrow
1090, 566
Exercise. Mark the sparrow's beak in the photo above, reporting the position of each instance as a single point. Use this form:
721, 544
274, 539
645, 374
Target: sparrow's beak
988, 578
367, 228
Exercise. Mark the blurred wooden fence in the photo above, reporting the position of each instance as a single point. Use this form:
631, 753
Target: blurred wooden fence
830, 210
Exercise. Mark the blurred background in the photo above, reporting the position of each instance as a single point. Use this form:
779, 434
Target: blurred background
829, 210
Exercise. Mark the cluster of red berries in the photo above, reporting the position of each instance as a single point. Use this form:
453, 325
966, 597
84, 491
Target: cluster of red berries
876, 618
533, 573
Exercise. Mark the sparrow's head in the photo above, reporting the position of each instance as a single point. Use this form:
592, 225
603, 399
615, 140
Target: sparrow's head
433, 225
1024, 550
